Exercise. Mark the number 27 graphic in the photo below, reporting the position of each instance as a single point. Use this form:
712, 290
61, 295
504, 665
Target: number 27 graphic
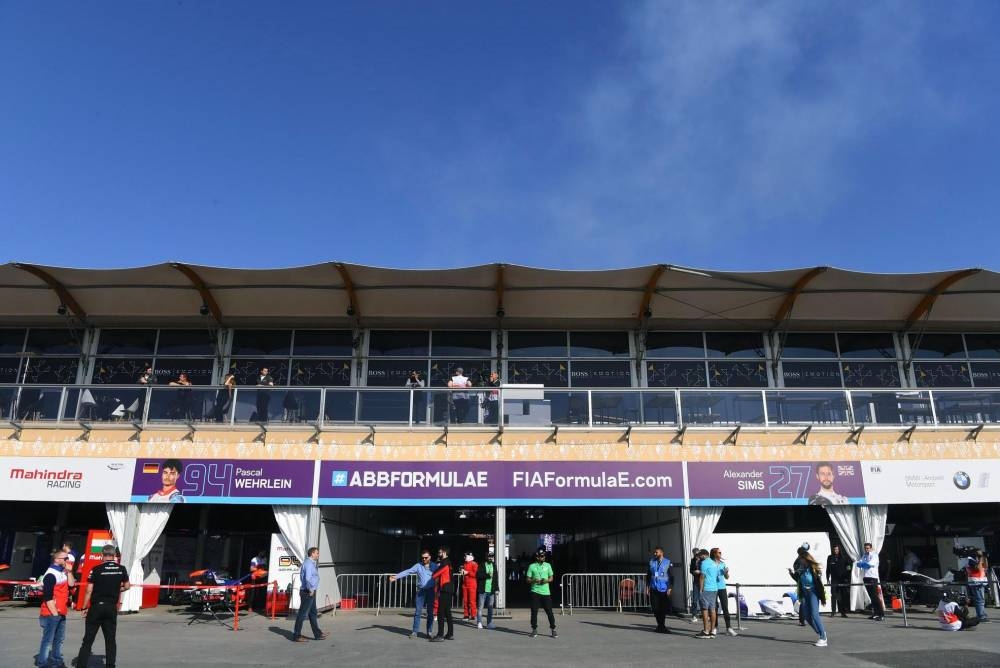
791, 482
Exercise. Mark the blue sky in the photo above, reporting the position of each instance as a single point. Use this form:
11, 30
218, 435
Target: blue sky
566, 134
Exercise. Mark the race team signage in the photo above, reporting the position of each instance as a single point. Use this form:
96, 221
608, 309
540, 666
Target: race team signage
65, 478
497, 483
775, 483
222, 481
942, 480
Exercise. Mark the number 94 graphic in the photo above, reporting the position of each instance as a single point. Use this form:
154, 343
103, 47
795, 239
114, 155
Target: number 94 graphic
207, 479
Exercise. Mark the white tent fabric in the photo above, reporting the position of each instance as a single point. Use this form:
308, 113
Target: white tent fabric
293, 523
701, 522
117, 514
149, 521
857, 525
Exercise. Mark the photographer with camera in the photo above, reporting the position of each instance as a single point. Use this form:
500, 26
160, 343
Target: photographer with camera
977, 570
953, 615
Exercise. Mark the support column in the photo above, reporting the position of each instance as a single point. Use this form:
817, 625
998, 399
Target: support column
685, 519
199, 548
500, 557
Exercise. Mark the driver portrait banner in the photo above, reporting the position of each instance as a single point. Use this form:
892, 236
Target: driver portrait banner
816, 483
171, 480
557, 483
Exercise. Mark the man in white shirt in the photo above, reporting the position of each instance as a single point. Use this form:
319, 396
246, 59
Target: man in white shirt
868, 563
953, 616
460, 399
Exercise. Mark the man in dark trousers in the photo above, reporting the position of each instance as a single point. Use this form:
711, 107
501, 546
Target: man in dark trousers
445, 592
838, 576
658, 586
264, 396
100, 603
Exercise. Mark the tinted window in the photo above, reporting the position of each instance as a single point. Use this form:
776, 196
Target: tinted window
986, 374
983, 345
262, 342
247, 371
186, 342
551, 373
321, 372
586, 373
461, 344
810, 374
536, 344
51, 370
737, 374
9, 367
735, 344
398, 344
809, 345
199, 371
870, 374
867, 345
54, 341
675, 344
119, 371
393, 373
931, 346
324, 342
598, 344
942, 374
11, 340
127, 342
676, 374
478, 371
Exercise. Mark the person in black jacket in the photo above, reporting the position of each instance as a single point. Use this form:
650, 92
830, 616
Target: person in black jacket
838, 576
445, 592
694, 568
106, 583
487, 586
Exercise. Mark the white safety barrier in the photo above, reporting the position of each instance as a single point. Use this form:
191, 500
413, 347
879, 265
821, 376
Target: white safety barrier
617, 591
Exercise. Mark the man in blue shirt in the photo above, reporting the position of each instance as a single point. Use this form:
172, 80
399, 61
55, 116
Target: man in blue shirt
659, 588
709, 588
309, 573
423, 569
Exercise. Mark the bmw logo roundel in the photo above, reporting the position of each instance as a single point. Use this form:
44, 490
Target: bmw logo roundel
962, 480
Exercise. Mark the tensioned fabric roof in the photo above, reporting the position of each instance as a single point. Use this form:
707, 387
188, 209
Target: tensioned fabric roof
339, 294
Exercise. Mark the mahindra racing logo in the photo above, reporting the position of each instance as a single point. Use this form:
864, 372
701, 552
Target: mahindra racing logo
63, 478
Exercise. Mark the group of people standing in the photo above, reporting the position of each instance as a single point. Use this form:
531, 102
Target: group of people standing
460, 403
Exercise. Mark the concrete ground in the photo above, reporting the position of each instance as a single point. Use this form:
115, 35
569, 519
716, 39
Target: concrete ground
162, 638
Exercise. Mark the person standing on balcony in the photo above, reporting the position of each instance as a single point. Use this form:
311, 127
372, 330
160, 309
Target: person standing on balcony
460, 399
415, 382
264, 396
658, 587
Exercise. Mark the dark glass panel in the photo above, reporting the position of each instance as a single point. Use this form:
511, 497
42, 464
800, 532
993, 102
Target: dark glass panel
598, 344
393, 373
199, 371
675, 344
53, 370
119, 371
54, 341
935, 346
601, 374
737, 374
551, 373
870, 374
9, 368
800, 344
321, 372
324, 342
391, 343
986, 374
127, 342
875, 346
735, 344
186, 342
461, 344
247, 371
276, 342
676, 374
536, 344
983, 345
11, 340
810, 374
942, 374
478, 371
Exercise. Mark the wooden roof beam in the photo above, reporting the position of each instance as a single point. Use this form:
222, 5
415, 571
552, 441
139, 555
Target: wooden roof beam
926, 303
786, 305
353, 308
647, 294
198, 284
65, 298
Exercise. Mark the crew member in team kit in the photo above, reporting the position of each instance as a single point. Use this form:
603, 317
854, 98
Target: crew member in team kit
52, 614
469, 587
100, 603
170, 473
659, 588
445, 591
539, 576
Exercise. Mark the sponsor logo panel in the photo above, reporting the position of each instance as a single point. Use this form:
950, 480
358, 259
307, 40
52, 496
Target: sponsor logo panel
65, 478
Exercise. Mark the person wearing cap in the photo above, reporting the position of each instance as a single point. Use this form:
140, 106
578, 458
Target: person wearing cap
100, 603
487, 587
953, 613
539, 576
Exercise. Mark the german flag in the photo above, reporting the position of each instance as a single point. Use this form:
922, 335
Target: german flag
151, 467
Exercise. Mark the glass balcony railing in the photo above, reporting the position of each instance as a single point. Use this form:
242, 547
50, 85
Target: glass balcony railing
511, 406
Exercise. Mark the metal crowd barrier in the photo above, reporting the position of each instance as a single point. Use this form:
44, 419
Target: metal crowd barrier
616, 591
374, 592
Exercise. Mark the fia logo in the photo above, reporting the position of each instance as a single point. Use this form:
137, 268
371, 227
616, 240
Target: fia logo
339, 479
875, 468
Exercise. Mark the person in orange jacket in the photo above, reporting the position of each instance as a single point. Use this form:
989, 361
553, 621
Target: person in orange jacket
469, 570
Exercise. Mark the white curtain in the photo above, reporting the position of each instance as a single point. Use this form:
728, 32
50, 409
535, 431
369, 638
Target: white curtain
701, 522
857, 525
293, 523
150, 519
117, 513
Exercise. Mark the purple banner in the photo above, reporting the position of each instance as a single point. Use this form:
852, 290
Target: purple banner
501, 483
222, 481
817, 483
